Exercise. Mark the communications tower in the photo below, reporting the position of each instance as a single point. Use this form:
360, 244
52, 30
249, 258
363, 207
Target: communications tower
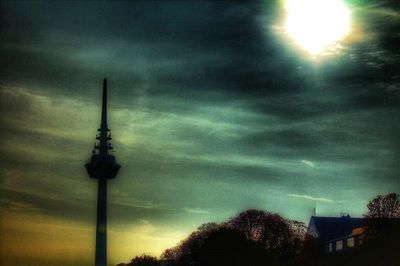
102, 166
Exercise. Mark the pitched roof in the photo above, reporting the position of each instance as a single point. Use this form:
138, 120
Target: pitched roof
335, 227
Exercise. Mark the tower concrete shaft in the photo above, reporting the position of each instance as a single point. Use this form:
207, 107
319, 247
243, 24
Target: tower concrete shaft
102, 166
101, 226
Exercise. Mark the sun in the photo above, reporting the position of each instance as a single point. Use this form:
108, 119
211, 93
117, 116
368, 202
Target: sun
317, 26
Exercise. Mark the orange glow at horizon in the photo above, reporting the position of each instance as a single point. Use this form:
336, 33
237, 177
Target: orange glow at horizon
33, 239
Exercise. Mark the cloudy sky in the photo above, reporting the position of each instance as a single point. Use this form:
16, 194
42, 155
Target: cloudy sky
214, 108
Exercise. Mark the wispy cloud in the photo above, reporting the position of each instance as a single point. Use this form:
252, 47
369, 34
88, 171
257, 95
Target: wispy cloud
133, 202
196, 211
309, 163
308, 197
19, 206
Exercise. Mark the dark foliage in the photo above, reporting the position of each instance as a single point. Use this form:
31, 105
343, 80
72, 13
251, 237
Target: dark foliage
226, 246
279, 236
143, 260
384, 206
311, 254
217, 247
252, 237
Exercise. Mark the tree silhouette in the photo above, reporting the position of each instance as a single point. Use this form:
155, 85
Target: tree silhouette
278, 235
384, 206
143, 260
217, 246
383, 222
252, 237
186, 253
250, 223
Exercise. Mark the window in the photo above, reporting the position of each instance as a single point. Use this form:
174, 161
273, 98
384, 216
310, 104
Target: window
339, 245
350, 242
330, 247
360, 239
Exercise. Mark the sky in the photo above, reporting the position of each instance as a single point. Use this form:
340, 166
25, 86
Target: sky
214, 108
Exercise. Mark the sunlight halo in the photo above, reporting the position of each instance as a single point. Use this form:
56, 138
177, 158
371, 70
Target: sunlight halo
317, 26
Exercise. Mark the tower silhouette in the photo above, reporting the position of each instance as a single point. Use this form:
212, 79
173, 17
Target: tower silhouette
102, 166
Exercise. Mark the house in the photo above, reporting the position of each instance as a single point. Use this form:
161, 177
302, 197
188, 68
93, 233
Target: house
335, 234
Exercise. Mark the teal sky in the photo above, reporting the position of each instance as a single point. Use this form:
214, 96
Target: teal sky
213, 110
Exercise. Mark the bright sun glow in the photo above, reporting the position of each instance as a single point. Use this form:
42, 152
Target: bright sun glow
317, 25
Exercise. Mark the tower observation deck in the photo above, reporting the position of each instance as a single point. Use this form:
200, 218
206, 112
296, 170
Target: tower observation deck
102, 166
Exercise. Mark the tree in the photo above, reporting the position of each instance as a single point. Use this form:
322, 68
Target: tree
216, 245
144, 260
278, 235
250, 223
252, 237
226, 246
186, 253
384, 206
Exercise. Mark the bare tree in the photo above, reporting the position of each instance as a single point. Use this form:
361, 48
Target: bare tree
186, 253
217, 245
277, 234
144, 260
253, 237
250, 223
384, 206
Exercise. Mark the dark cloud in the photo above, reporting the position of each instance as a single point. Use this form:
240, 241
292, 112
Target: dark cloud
228, 35
44, 205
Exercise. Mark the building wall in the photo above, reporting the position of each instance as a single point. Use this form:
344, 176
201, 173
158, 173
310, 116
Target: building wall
312, 229
344, 243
